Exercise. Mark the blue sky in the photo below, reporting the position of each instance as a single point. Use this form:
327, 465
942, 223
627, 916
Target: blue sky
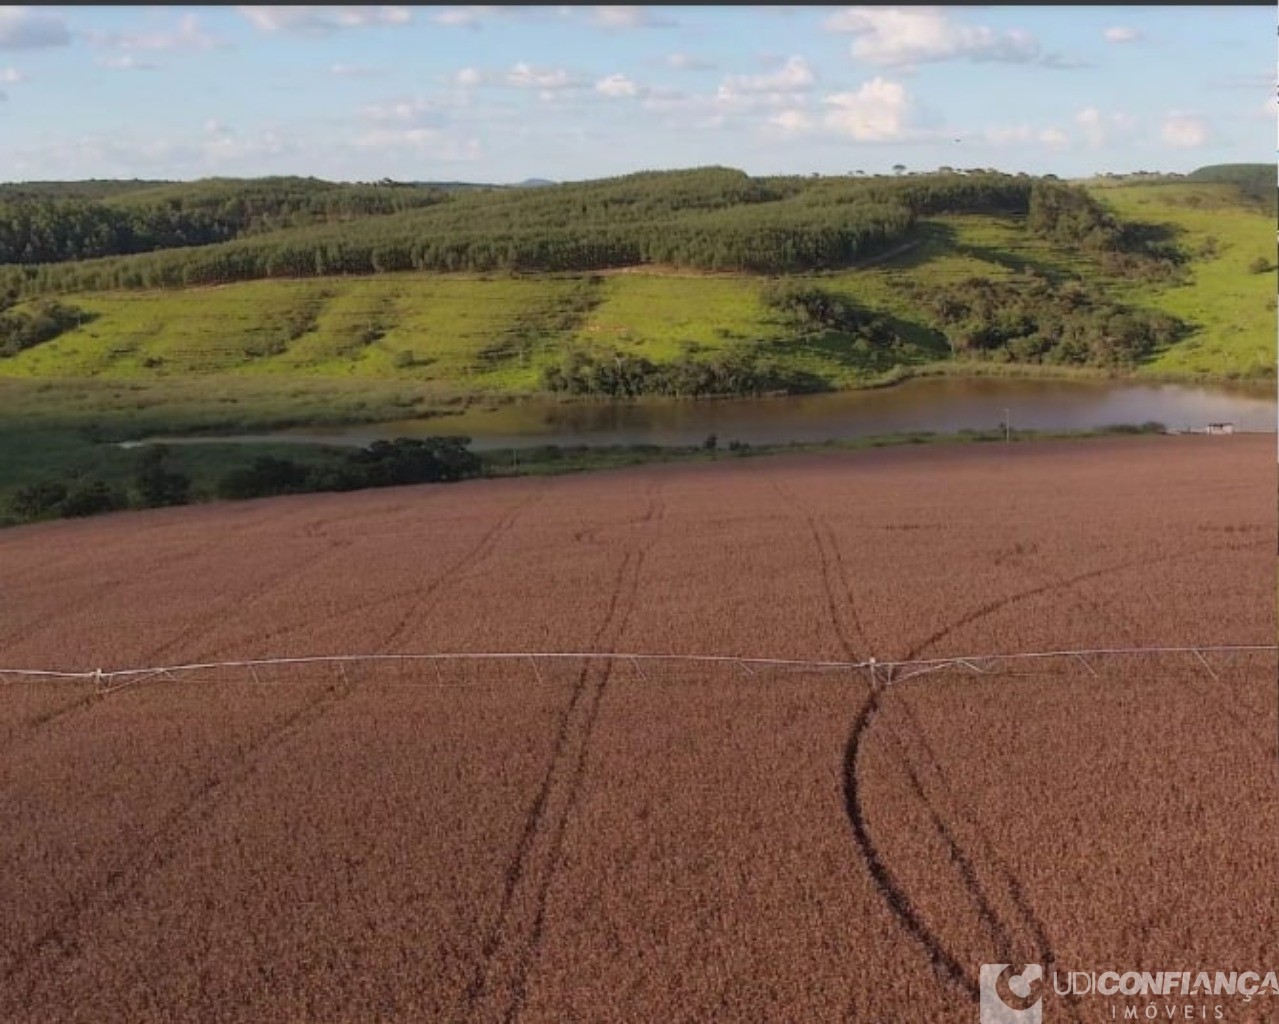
501, 94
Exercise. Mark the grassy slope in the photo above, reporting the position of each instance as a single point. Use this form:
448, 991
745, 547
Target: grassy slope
1226, 300
473, 333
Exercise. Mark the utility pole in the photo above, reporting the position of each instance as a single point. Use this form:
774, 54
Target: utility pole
1007, 427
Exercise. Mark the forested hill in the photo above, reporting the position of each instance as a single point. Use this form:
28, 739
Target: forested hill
654, 281
1259, 182
141, 234
219, 231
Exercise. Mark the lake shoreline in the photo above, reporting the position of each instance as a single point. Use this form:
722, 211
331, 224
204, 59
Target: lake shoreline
939, 404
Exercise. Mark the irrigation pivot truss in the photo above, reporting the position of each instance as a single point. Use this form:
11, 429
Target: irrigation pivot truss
880, 672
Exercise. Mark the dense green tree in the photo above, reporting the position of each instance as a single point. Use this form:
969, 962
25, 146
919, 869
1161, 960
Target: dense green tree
158, 484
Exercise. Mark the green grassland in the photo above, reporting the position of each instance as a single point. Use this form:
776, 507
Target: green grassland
1231, 306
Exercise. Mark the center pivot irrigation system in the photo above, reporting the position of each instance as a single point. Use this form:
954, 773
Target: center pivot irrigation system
881, 673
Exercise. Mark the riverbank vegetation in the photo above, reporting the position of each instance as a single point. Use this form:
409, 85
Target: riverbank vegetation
156, 475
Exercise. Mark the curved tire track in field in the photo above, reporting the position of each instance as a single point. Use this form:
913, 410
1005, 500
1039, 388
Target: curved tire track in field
1055, 585
154, 852
498, 988
1034, 926
891, 890
986, 913
835, 580
834, 576
1033, 922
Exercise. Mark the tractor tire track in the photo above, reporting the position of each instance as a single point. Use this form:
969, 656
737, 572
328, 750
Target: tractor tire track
106, 590
102, 592
1033, 923
213, 614
1132, 633
153, 853
1053, 585
472, 556
891, 890
834, 577
894, 895
498, 988
33, 727
477, 555
956, 809
986, 912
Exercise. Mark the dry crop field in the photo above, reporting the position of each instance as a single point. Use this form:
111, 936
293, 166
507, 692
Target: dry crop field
642, 840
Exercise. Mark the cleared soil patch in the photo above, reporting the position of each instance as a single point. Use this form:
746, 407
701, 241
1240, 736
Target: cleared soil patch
635, 840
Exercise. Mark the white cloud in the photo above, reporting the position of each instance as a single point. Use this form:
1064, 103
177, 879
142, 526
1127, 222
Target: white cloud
1003, 136
1024, 134
1098, 128
341, 70
525, 76
905, 36
664, 100
520, 76
418, 112
1092, 124
425, 142
1184, 131
468, 17
22, 28
126, 62
187, 36
617, 86
1122, 34
792, 122
686, 62
1255, 82
628, 18
11, 76
876, 112
127, 156
794, 76
318, 20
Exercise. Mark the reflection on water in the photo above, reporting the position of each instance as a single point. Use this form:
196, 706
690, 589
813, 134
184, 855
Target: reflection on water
939, 405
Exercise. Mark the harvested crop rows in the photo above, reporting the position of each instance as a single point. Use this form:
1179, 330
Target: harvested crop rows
624, 839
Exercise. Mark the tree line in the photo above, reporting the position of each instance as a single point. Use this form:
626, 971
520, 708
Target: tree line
156, 482
41, 227
709, 218
616, 374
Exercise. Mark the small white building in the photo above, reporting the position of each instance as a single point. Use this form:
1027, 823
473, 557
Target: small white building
1220, 428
